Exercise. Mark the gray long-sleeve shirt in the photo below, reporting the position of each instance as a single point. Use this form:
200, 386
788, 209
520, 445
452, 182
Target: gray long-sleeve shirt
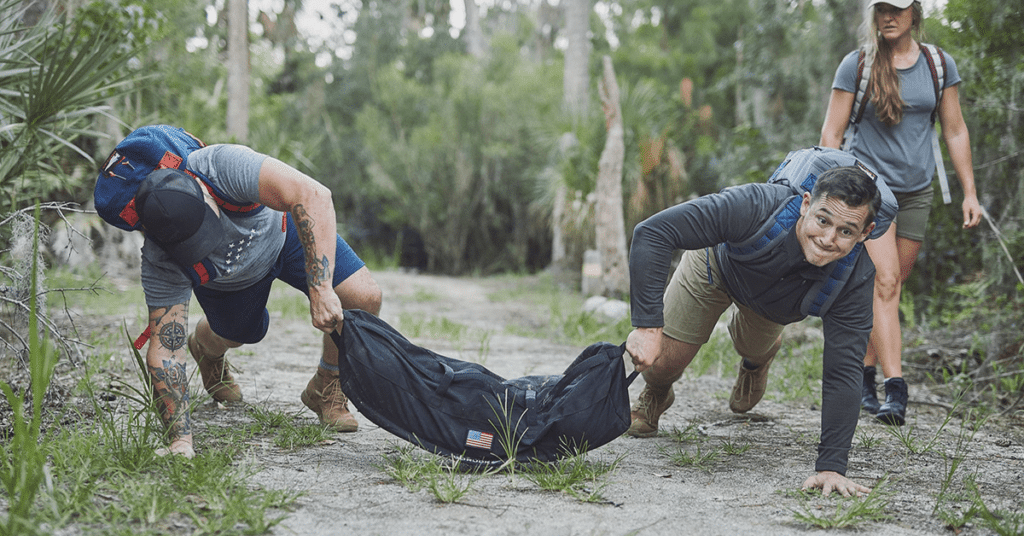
773, 284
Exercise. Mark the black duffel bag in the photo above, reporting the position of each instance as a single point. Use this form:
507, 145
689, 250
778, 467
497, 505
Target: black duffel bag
461, 409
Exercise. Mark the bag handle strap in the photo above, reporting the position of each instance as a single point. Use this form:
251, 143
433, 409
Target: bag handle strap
632, 375
531, 403
449, 375
578, 369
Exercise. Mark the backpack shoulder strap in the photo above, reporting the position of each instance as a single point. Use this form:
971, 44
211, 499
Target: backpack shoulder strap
863, 78
202, 272
937, 65
860, 97
770, 233
224, 201
817, 303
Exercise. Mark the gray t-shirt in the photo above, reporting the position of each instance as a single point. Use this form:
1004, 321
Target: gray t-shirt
251, 242
902, 153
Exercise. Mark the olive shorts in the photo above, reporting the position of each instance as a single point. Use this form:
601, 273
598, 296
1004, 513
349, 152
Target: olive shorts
693, 305
912, 219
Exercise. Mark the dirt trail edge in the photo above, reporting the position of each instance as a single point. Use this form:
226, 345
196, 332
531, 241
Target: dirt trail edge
345, 491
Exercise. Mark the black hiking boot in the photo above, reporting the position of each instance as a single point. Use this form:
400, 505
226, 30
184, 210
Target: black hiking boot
868, 392
894, 411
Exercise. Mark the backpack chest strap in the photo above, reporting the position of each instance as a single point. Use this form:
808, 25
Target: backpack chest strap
824, 293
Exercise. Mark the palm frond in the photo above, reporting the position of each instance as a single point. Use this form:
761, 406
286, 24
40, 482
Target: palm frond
55, 77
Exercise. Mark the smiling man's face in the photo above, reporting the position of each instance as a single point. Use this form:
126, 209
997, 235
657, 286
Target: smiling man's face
828, 228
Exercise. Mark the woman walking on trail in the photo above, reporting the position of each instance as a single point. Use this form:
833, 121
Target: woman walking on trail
893, 134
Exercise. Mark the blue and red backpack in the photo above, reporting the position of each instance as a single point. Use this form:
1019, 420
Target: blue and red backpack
144, 150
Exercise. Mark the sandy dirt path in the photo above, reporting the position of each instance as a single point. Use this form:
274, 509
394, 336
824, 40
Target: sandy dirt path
346, 492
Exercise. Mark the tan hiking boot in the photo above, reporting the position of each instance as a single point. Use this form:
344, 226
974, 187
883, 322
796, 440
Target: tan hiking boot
217, 378
323, 395
749, 388
648, 409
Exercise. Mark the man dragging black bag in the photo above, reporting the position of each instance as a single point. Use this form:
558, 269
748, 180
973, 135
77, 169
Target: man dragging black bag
780, 252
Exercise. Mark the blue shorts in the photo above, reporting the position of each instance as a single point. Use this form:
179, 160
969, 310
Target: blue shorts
241, 315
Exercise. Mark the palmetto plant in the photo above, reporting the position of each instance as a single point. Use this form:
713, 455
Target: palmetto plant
55, 78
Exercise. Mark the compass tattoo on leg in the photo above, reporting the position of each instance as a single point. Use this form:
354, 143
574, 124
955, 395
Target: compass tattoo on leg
173, 336
170, 382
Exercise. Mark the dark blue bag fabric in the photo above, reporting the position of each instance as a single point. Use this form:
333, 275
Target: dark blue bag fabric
801, 169
461, 409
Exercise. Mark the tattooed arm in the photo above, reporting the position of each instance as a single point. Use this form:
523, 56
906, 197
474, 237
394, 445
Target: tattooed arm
165, 359
287, 189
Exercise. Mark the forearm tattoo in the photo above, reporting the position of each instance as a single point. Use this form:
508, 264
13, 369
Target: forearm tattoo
317, 271
170, 390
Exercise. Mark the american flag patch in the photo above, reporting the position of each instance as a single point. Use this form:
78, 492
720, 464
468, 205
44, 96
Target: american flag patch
479, 440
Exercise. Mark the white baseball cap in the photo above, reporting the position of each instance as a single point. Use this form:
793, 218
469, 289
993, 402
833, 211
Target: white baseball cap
902, 4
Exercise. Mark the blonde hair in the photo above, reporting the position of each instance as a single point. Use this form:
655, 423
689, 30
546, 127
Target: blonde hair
884, 85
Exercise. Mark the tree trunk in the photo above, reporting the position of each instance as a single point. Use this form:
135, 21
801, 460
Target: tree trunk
238, 71
576, 84
575, 91
474, 35
610, 223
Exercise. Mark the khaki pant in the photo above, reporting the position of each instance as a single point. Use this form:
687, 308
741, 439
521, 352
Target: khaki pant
693, 307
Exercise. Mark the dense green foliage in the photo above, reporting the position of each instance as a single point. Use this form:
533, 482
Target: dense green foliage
452, 156
448, 162
981, 36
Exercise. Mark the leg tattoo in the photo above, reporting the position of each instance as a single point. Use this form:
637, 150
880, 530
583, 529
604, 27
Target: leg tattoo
170, 389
